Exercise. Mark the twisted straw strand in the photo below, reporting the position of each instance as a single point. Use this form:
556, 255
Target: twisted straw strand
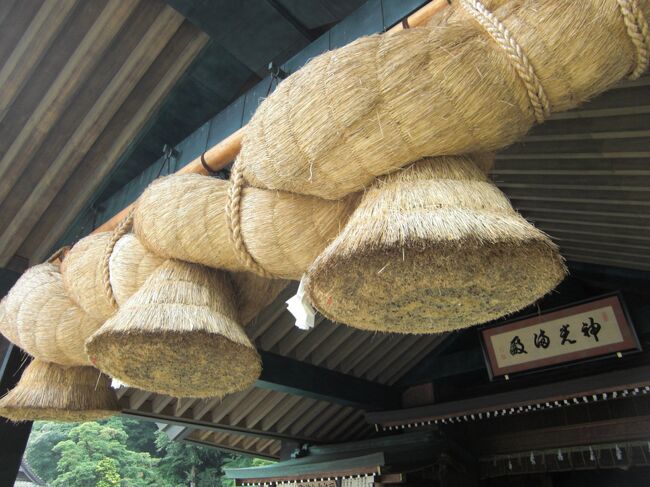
233, 218
500, 33
637, 29
121, 230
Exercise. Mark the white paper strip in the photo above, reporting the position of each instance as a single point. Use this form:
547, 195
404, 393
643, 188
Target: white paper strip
300, 307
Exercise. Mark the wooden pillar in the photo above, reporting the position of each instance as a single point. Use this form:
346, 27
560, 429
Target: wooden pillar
13, 436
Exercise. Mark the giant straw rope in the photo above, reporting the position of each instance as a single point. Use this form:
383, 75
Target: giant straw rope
477, 80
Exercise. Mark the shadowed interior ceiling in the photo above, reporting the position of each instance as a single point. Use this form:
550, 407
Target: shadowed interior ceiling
88, 86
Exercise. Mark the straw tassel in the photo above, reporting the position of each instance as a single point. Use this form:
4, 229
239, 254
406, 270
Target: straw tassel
51, 392
432, 248
178, 335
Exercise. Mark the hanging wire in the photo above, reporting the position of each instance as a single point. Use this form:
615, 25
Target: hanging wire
277, 75
169, 153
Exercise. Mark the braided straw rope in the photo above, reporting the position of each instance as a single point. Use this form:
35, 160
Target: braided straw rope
121, 230
500, 33
233, 218
637, 29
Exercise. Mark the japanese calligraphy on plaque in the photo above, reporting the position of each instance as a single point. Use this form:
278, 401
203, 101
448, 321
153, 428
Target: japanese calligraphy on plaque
584, 331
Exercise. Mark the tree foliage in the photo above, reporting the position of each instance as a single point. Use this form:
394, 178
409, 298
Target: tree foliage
107, 473
204, 463
120, 452
88, 444
40, 454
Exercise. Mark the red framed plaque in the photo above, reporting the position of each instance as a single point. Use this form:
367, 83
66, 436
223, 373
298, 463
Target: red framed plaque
587, 330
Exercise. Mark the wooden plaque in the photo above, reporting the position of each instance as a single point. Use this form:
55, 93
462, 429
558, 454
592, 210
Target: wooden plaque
584, 331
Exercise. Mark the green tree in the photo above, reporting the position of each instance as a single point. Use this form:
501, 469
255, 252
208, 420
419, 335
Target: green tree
90, 443
40, 455
188, 465
124, 452
141, 434
108, 474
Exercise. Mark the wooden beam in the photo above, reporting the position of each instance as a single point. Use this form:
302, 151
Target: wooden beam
437, 366
227, 150
229, 404
258, 396
59, 94
271, 418
63, 165
160, 402
204, 406
587, 433
138, 398
261, 411
623, 263
183, 404
255, 454
36, 39
166, 416
15, 15
591, 386
283, 374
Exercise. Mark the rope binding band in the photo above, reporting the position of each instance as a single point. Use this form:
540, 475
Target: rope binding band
524, 69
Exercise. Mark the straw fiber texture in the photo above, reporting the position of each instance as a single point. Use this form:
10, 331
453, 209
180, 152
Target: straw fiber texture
130, 266
50, 392
471, 81
42, 320
183, 217
254, 293
432, 248
83, 276
178, 335
7, 326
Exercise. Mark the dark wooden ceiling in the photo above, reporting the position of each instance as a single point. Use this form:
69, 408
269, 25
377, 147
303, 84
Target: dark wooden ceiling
91, 90
79, 78
244, 37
